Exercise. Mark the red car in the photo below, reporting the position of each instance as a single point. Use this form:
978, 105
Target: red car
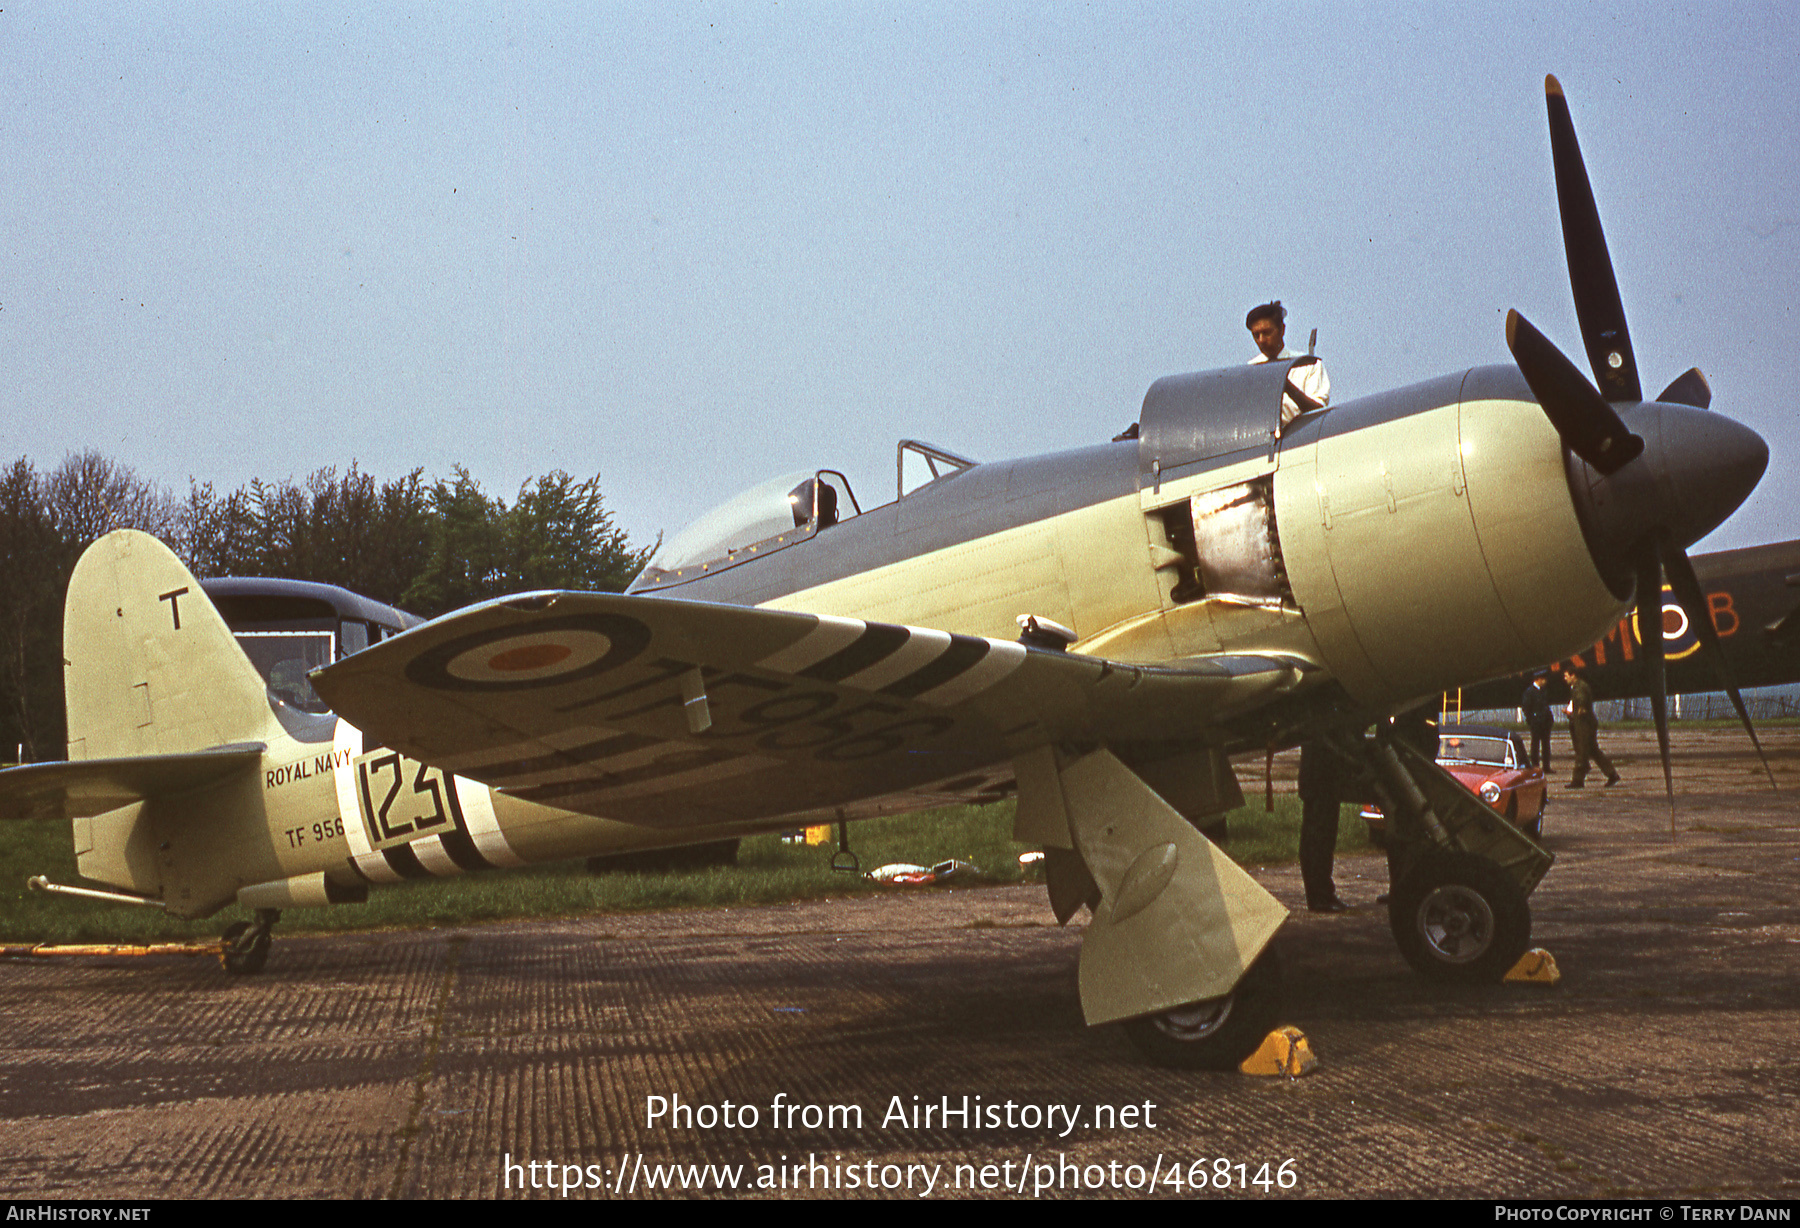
1491, 763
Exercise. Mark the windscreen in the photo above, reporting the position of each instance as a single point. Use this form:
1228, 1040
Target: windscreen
1460, 749
762, 512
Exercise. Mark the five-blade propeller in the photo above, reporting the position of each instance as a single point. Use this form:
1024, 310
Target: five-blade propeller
1649, 537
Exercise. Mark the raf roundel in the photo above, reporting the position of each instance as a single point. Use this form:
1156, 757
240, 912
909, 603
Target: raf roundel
529, 658
556, 651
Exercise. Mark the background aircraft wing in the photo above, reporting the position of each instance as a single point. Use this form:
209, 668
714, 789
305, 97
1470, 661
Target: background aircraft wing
666, 712
83, 788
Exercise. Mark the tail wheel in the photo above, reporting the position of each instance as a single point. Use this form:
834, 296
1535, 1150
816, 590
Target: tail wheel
244, 949
1216, 1034
1459, 917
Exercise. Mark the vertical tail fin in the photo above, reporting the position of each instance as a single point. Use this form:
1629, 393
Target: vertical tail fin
149, 666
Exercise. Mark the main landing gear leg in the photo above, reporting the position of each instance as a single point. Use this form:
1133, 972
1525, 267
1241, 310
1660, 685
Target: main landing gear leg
1461, 873
1173, 949
245, 947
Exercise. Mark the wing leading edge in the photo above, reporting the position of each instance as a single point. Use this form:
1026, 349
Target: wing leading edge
674, 713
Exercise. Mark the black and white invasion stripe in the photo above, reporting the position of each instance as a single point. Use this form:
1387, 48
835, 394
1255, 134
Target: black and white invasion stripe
934, 667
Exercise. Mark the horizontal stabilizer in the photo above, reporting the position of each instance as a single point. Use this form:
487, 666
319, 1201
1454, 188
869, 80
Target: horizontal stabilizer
87, 787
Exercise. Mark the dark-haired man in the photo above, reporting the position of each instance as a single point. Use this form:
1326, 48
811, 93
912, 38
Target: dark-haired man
1535, 703
1308, 387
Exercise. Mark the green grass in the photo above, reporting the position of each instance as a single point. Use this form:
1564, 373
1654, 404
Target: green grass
1262, 839
768, 872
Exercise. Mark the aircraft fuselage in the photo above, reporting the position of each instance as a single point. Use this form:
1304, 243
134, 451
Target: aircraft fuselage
1406, 542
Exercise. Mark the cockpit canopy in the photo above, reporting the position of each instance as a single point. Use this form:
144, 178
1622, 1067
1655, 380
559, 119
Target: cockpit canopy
755, 515
767, 517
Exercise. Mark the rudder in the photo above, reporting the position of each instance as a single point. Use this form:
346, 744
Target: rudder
149, 665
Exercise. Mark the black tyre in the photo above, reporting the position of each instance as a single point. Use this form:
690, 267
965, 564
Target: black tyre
1458, 917
244, 949
1217, 1034
1535, 828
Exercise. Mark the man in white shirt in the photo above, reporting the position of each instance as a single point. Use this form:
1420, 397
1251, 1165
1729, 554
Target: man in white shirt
1308, 387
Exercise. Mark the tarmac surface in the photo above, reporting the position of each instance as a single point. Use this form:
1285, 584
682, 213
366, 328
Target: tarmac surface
488, 1060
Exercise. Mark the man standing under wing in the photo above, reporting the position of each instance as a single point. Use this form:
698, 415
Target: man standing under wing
1322, 773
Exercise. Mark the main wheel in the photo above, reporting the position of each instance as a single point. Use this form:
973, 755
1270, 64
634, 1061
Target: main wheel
1216, 1034
1458, 917
244, 949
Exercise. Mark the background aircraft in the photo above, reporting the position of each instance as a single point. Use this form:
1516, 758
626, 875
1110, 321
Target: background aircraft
1753, 602
1214, 583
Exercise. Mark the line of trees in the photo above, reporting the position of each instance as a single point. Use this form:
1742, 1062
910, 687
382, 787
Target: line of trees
426, 546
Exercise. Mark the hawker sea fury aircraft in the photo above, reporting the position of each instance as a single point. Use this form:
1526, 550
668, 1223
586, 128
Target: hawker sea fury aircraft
1218, 582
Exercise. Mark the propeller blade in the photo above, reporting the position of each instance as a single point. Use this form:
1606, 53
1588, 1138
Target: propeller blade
1650, 640
1590, 427
1693, 599
1689, 388
1597, 303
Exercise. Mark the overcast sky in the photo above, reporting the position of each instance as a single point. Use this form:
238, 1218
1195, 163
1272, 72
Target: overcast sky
687, 246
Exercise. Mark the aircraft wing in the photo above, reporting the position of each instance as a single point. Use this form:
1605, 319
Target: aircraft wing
675, 713
83, 788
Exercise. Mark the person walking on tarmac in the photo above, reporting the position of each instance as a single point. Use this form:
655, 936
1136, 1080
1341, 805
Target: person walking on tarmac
1584, 732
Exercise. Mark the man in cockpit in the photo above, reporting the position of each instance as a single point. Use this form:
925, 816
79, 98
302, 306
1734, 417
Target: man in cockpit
1308, 387
802, 497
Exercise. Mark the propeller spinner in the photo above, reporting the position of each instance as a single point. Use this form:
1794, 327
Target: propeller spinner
1650, 478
